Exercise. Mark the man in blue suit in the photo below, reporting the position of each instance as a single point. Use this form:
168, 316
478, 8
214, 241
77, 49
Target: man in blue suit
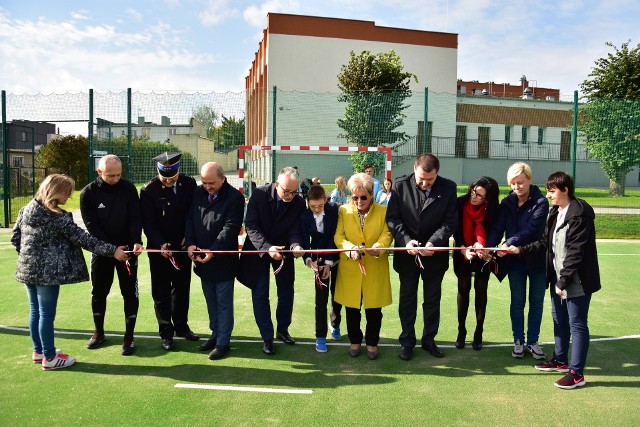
272, 223
318, 226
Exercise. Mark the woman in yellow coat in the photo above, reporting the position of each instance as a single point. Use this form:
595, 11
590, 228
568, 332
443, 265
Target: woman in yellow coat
361, 229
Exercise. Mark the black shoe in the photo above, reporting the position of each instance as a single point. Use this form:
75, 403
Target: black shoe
460, 341
433, 349
96, 339
406, 352
219, 352
209, 344
128, 347
188, 335
372, 355
477, 341
267, 348
354, 352
168, 344
285, 338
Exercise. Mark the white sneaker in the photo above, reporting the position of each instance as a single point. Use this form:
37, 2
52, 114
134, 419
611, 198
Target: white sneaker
60, 361
518, 350
536, 351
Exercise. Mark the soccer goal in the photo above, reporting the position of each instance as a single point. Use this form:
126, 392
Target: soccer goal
260, 164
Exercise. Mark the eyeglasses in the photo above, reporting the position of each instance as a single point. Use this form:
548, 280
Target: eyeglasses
316, 206
363, 198
289, 193
479, 196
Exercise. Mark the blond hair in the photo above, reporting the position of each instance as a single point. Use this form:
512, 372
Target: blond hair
53, 188
360, 180
518, 168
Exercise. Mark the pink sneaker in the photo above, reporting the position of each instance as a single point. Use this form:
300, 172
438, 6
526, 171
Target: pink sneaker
553, 366
37, 357
60, 361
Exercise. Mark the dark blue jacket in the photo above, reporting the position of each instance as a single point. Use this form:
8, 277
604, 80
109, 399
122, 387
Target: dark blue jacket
264, 229
521, 225
312, 239
215, 226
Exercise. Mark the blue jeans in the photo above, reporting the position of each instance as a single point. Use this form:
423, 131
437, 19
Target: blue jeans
518, 273
570, 319
262, 309
219, 297
43, 301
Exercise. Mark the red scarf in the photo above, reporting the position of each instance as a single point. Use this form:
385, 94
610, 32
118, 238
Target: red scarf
472, 227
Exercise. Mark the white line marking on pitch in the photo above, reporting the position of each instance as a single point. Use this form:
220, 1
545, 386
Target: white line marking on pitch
249, 389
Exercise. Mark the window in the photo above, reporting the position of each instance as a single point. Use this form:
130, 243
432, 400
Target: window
24, 137
172, 131
508, 129
135, 133
124, 132
540, 136
525, 134
146, 133
17, 161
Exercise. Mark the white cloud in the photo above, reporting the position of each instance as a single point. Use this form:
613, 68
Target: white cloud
80, 15
256, 16
217, 11
134, 14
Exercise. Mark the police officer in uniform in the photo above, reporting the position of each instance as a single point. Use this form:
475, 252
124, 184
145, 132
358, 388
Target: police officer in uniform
165, 202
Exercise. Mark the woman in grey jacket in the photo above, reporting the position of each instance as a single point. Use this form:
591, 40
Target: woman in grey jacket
49, 255
569, 242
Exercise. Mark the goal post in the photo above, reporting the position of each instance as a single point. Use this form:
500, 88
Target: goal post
260, 164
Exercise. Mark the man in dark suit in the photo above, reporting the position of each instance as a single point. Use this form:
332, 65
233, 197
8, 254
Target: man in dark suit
164, 204
421, 213
213, 224
318, 226
272, 224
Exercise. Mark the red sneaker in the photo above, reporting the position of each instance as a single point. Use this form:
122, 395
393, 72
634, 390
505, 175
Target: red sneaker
571, 381
552, 366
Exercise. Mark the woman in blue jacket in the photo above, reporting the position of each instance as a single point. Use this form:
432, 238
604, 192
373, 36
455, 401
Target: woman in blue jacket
521, 218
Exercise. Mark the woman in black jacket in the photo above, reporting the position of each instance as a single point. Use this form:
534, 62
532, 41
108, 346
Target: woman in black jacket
569, 242
476, 211
49, 255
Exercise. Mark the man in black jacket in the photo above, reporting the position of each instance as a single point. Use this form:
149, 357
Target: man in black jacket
213, 224
164, 204
421, 213
111, 212
272, 224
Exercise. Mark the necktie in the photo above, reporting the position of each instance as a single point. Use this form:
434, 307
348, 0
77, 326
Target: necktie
210, 198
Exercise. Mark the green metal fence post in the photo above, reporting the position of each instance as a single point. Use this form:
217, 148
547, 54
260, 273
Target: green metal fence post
273, 137
574, 137
90, 137
5, 161
425, 124
129, 133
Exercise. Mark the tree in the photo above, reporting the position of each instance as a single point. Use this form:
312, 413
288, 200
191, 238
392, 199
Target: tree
208, 117
610, 119
374, 88
230, 133
68, 155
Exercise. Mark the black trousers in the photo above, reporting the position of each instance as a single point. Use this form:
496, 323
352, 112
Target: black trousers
372, 331
102, 269
170, 291
322, 298
408, 306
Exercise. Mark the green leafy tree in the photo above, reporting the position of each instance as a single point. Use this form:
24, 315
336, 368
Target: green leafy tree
374, 88
230, 133
208, 117
139, 167
610, 119
68, 155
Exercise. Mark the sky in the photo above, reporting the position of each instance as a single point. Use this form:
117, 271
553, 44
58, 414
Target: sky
208, 45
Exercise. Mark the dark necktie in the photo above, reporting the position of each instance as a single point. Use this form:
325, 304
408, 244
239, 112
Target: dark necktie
210, 198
